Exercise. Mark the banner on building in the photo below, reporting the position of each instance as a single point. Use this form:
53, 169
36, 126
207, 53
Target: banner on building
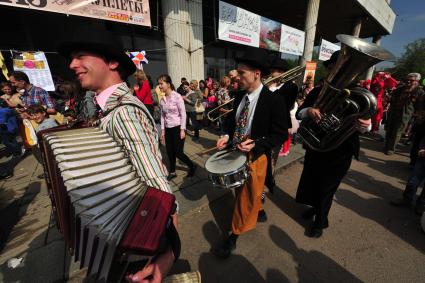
292, 41
138, 58
270, 34
326, 49
310, 70
35, 65
127, 11
238, 25
241, 26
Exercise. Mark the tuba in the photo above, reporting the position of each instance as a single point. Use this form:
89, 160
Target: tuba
341, 107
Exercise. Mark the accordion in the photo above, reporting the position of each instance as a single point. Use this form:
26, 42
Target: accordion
101, 206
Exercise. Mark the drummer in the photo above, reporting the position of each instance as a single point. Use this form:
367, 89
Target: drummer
258, 113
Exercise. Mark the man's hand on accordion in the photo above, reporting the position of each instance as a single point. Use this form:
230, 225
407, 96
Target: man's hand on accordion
156, 271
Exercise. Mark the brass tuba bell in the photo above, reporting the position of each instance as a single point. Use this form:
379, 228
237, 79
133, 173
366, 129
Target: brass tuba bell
341, 107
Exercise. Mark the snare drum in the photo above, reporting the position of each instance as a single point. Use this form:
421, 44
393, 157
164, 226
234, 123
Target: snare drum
227, 171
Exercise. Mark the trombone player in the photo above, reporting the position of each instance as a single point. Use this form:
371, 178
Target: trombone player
281, 83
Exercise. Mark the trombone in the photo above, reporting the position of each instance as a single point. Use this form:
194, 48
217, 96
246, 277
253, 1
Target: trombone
219, 108
285, 77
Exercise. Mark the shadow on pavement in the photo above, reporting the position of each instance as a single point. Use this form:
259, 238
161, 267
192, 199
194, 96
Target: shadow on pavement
47, 263
368, 184
289, 206
399, 221
311, 265
234, 269
7, 167
10, 215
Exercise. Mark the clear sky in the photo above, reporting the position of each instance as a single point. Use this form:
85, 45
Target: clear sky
409, 25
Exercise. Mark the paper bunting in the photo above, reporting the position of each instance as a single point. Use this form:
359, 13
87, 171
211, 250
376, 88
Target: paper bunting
139, 58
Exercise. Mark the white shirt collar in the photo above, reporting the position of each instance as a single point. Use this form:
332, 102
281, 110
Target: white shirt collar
254, 95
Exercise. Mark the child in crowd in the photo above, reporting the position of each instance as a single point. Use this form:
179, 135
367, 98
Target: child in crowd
39, 115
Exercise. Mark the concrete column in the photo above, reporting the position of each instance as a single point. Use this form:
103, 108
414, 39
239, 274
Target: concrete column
369, 74
357, 27
183, 38
196, 49
310, 30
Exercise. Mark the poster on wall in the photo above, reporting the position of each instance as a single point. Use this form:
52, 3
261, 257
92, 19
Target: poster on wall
238, 25
134, 12
35, 65
292, 41
270, 34
310, 70
326, 49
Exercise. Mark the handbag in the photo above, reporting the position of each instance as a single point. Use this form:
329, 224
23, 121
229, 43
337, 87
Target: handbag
199, 107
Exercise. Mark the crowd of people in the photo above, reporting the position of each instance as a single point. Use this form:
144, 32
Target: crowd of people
259, 120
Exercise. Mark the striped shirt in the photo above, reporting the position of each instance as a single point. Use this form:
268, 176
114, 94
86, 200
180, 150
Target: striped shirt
128, 121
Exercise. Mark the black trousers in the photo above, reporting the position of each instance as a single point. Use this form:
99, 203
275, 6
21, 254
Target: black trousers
322, 174
174, 145
195, 123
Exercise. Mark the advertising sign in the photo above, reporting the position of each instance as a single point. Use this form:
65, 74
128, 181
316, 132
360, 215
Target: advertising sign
127, 11
238, 25
292, 41
34, 64
310, 70
241, 26
270, 34
326, 49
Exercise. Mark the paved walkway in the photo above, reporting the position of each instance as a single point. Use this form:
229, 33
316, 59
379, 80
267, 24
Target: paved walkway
25, 213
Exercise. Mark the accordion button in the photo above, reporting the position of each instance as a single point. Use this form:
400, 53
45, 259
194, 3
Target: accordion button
143, 213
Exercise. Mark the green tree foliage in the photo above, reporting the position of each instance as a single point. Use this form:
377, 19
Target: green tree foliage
411, 61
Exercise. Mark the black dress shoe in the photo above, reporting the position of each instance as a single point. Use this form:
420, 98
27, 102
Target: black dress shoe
226, 249
309, 213
191, 172
262, 216
315, 232
271, 186
401, 202
419, 210
171, 176
6, 175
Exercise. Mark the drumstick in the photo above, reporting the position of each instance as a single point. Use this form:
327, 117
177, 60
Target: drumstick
232, 148
207, 150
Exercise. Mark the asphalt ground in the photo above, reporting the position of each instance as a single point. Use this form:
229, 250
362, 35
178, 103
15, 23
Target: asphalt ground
368, 240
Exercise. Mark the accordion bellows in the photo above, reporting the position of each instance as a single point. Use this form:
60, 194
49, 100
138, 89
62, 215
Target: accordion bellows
102, 208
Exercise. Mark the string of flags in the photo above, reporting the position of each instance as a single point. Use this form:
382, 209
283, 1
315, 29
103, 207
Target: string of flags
138, 58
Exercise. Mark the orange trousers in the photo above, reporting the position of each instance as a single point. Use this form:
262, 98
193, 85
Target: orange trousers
248, 197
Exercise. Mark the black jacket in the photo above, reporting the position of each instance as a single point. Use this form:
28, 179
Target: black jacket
288, 92
270, 121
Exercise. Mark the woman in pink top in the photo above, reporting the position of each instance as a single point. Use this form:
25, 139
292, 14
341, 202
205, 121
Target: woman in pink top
143, 90
173, 126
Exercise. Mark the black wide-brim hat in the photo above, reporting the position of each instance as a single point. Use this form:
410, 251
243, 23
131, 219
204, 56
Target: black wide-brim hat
279, 64
257, 58
333, 59
100, 42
